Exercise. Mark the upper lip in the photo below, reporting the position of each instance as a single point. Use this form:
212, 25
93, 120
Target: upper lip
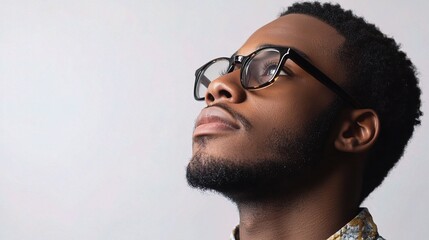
216, 114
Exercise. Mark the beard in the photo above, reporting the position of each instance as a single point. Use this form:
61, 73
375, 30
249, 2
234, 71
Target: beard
293, 158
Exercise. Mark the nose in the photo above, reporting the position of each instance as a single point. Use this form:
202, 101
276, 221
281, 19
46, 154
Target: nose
226, 88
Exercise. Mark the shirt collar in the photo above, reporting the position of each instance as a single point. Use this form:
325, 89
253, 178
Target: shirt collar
360, 227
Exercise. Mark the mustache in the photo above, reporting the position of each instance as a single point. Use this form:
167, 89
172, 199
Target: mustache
243, 120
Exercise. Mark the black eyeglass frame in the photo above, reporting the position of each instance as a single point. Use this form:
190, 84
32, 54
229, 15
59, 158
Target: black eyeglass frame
285, 53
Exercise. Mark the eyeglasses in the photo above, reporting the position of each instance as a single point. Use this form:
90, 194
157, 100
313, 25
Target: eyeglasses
261, 69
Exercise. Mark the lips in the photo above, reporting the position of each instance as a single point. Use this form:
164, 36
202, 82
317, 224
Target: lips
214, 120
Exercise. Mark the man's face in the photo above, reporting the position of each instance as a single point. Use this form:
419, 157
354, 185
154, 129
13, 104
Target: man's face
246, 139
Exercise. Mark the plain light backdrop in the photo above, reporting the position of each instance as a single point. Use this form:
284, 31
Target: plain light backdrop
96, 116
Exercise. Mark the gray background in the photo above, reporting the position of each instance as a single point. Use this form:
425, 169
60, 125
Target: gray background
96, 115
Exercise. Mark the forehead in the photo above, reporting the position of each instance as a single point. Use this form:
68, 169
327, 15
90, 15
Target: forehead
318, 40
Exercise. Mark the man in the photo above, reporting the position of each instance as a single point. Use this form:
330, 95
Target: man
303, 122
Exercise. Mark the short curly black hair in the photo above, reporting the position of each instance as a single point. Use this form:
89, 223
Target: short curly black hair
381, 77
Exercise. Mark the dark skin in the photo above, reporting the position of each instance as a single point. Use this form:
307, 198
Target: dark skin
318, 204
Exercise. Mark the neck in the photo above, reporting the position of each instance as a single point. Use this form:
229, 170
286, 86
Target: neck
316, 213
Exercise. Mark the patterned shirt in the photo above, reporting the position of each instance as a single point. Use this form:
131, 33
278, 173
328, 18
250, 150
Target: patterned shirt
362, 227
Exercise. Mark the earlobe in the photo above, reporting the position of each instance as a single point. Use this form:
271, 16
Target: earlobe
358, 131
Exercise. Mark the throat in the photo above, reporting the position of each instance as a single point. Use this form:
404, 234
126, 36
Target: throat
314, 213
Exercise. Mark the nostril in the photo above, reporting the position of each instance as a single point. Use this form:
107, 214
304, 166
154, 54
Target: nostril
210, 97
225, 93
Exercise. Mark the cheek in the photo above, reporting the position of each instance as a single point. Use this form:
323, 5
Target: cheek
285, 111
290, 104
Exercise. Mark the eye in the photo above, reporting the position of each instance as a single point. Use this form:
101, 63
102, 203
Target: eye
269, 69
227, 70
223, 72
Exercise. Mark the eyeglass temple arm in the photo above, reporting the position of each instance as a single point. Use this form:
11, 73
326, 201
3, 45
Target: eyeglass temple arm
320, 76
205, 81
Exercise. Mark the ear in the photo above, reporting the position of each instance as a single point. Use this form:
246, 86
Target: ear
358, 130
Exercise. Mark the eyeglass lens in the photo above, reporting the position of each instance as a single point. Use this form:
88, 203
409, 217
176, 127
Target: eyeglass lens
213, 71
259, 70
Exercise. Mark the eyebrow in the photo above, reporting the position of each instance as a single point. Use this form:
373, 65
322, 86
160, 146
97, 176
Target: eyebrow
305, 56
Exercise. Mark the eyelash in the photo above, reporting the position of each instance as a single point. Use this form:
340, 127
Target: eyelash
286, 71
